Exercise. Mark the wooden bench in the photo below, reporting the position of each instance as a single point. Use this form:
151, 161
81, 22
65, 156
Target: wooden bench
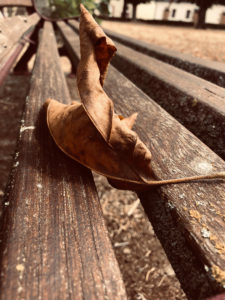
210, 70
25, 5
15, 33
160, 131
54, 243
198, 104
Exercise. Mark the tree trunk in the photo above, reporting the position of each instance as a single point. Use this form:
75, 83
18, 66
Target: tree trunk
124, 12
134, 12
201, 18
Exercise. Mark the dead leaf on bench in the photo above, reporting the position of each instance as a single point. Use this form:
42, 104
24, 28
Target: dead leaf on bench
90, 132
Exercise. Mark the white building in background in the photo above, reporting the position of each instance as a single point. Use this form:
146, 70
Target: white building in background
162, 10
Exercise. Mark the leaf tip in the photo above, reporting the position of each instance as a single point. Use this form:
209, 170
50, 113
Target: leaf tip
129, 121
46, 103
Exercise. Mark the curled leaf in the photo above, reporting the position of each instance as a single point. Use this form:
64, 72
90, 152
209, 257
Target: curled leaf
96, 51
75, 134
90, 132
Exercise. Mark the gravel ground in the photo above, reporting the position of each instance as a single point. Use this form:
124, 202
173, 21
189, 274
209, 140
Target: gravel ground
145, 268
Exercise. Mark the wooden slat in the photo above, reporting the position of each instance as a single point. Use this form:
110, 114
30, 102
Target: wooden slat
10, 116
13, 34
198, 104
27, 3
12, 30
210, 70
54, 241
196, 210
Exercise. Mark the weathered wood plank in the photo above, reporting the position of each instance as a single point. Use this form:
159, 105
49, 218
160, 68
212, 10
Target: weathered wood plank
210, 70
13, 37
196, 210
12, 30
10, 117
198, 104
54, 243
199, 208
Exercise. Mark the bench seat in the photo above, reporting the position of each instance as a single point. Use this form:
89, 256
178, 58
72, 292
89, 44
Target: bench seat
54, 243
210, 70
198, 104
14, 35
195, 211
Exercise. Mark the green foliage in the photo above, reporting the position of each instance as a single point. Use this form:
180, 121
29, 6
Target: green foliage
70, 8
103, 7
64, 8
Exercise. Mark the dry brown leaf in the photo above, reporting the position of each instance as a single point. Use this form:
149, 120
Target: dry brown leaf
90, 132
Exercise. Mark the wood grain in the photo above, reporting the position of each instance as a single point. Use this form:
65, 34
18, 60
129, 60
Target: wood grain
198, 104
198, 207
195, 210
10, 117
54, 243
14, 34
210, 70
12, 31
